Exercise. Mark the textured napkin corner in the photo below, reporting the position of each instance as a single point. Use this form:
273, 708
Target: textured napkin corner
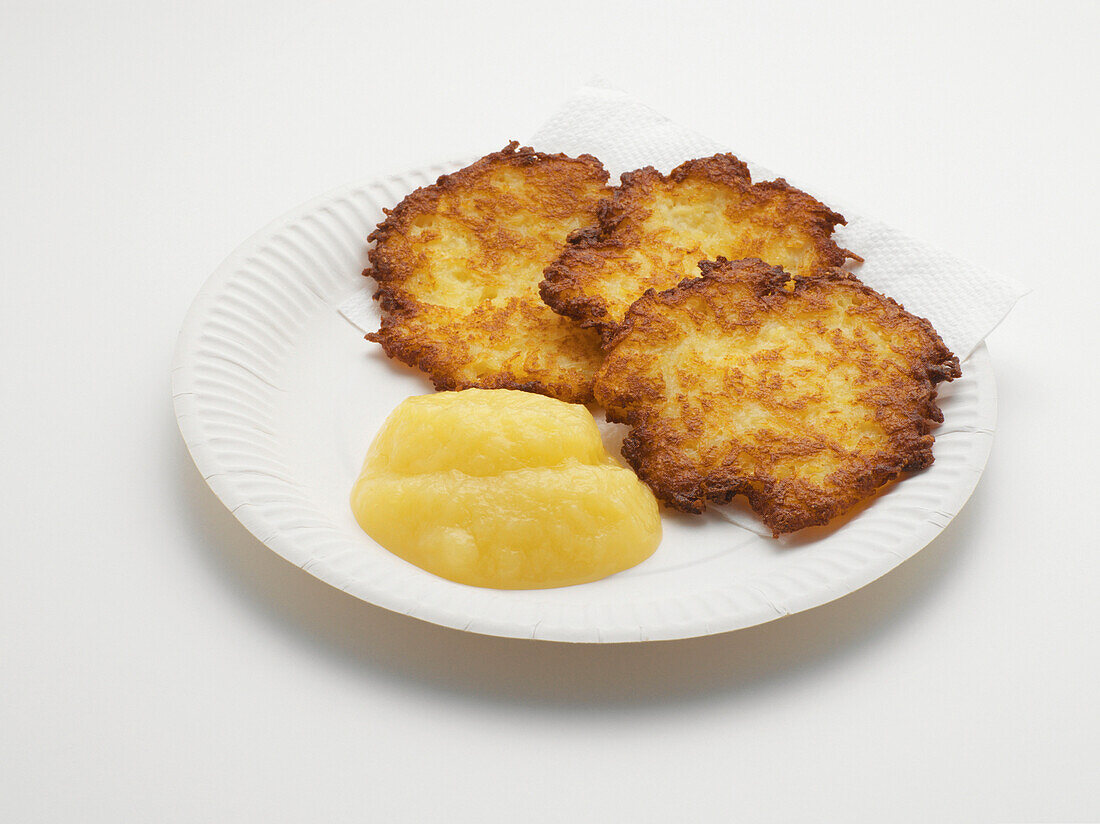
963, 302
361, 310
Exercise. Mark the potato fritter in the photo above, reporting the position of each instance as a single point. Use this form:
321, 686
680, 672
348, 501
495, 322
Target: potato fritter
656, 229
458, 266
804, 395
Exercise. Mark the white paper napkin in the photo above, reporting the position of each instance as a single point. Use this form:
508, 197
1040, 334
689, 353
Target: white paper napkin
963, 302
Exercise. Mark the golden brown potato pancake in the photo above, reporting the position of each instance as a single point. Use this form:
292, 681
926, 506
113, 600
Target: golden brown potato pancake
458, 266
655, 229
804, 395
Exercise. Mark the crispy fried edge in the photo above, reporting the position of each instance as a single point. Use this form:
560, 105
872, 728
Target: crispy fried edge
913, 444
563, 289
389, 271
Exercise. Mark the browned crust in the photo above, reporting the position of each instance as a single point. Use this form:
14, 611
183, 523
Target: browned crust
383, 267
567, 283
435, 361
906, 406
407, 332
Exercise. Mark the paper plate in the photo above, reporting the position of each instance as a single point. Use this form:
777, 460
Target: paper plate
278, 396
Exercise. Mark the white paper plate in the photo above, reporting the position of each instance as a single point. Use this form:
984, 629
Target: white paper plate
278, 396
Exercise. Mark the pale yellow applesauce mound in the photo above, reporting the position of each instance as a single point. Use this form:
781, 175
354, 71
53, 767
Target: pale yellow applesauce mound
502, 488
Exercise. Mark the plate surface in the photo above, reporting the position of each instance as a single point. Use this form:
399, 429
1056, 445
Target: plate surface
278, 396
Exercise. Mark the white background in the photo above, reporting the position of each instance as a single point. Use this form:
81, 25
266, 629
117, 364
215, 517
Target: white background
157, 663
